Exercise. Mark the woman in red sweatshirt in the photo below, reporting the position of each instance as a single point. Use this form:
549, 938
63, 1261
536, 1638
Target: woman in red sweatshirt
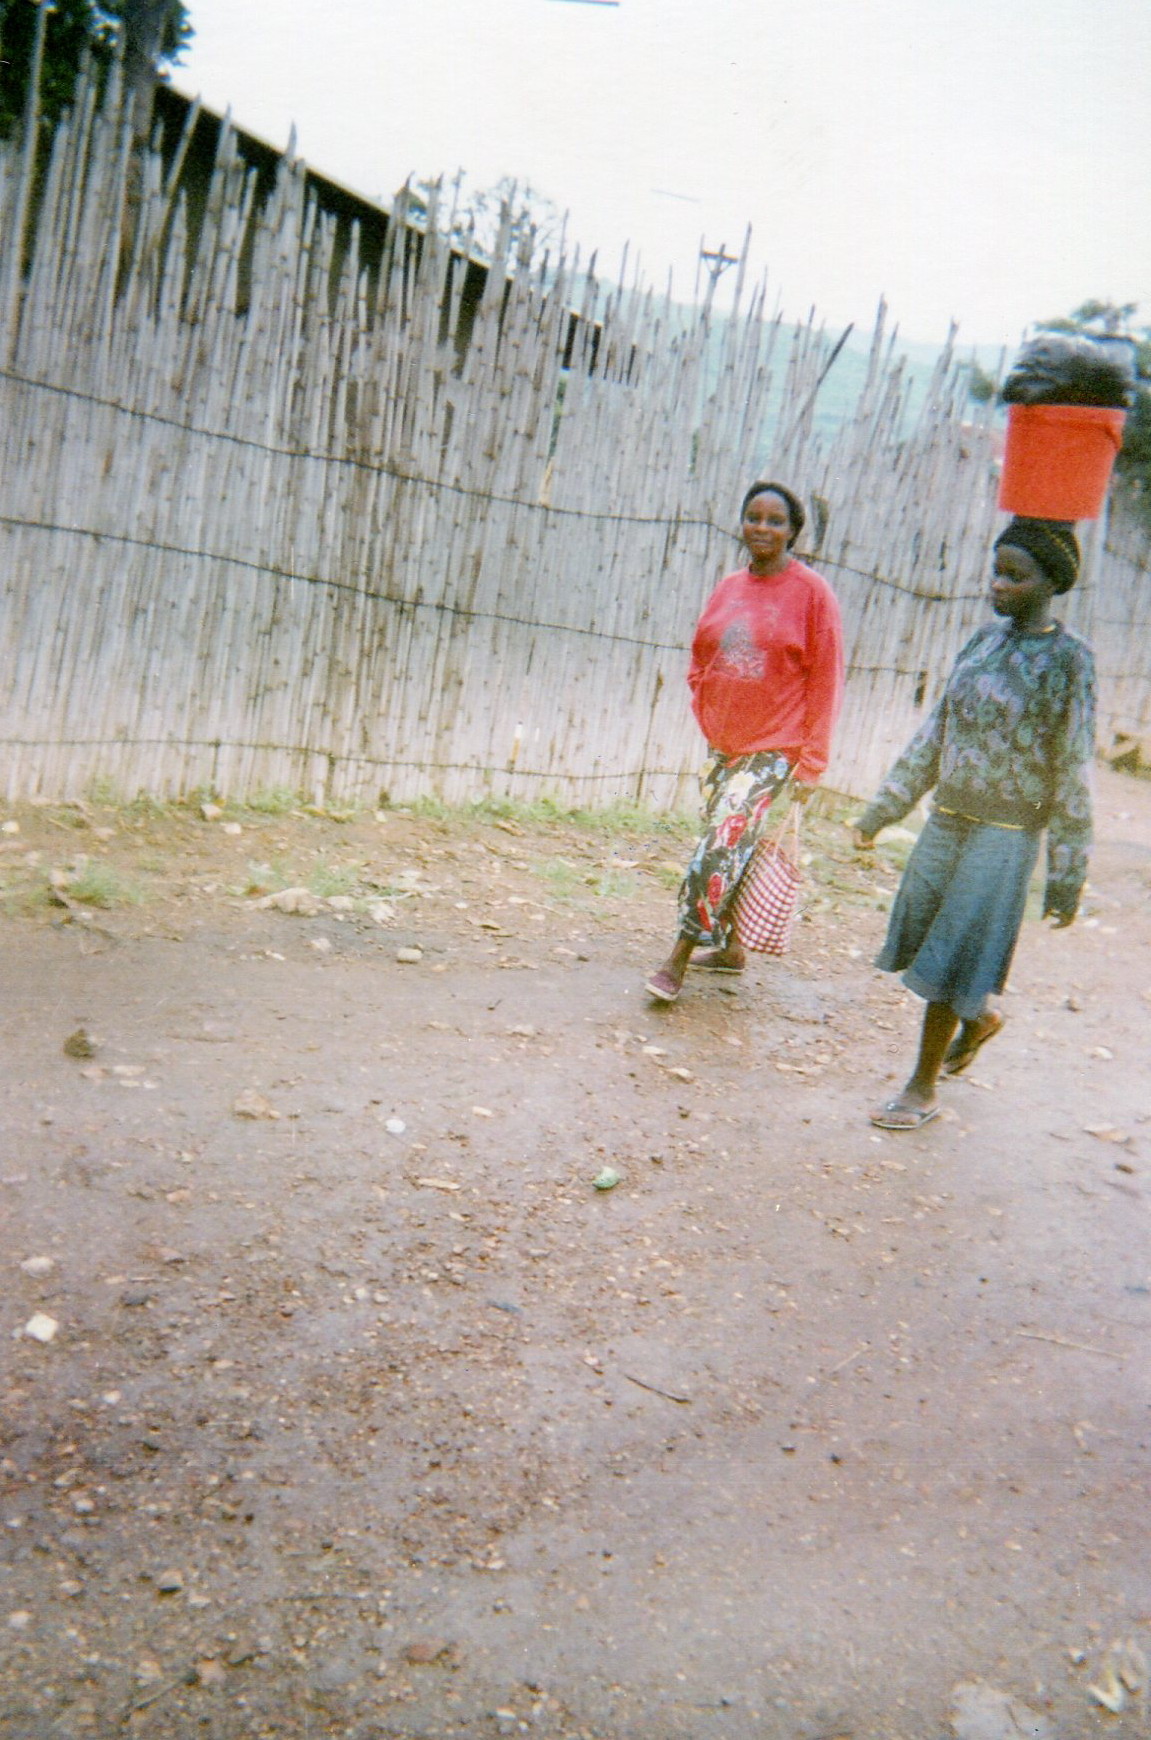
766, 682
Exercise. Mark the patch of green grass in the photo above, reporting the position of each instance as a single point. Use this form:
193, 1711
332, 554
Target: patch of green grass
328, 879
70, 818
496, 809
831, 806
104, 886
105, 793
265, 879
274, 800
385, 888
428, 809
563, 878
567, 881
541, 812
622, 817
631, 820
616, 885
145, 808
24, 899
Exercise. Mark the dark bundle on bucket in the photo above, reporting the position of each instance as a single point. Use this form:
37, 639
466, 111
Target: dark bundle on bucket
1061, 368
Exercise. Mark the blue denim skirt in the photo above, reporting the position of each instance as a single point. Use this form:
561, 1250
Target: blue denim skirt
959, 910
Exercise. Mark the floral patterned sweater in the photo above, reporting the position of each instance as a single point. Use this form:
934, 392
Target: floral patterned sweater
1010, 742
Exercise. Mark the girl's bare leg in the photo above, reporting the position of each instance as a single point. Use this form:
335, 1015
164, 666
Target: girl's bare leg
918, 1094
674, 968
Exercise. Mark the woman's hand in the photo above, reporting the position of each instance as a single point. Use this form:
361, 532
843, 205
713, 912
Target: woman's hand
801, 791
861, 841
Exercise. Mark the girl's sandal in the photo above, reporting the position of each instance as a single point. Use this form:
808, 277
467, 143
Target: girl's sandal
963, 1051
717, 961
896, 1116
662, 987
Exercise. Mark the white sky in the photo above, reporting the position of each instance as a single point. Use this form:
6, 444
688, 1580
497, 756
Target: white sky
987, 160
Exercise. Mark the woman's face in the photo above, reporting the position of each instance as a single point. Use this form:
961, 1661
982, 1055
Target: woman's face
767, 529
1020, 586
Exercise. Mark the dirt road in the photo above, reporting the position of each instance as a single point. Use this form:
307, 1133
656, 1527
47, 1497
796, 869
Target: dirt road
366, 1414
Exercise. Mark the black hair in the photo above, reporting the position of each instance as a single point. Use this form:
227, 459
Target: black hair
795, 512
1053, 545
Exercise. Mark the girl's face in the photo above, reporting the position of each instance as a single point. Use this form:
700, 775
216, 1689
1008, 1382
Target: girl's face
1020, 587
767, 530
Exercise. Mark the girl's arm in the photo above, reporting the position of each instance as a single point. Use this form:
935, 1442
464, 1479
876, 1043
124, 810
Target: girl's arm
912, 777
824, 692
1069, 824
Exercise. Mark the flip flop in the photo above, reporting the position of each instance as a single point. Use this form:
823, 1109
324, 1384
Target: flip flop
662, 987
960, 1053
894, 1117
711, 960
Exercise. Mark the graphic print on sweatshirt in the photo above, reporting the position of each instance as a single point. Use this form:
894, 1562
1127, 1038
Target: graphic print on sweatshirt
738, 655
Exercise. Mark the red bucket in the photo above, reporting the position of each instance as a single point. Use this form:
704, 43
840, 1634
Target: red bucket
1058, 460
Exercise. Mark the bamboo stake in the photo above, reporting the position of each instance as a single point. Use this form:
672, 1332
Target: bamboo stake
269, 518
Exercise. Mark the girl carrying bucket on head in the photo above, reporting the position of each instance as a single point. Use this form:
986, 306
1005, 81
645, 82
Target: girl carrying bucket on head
1007, 752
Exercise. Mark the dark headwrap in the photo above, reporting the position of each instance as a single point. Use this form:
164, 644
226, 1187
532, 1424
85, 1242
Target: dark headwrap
794, 506
1053, 545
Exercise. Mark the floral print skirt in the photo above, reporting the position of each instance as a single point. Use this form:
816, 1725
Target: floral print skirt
738, 791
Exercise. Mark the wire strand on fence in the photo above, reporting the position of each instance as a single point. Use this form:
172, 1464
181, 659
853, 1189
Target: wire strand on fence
475, 521
227, 437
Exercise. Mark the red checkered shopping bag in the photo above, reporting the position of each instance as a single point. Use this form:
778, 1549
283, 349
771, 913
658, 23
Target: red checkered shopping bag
765, 902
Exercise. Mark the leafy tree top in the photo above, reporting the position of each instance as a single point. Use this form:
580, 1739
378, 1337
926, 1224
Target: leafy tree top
160, 30
473, 216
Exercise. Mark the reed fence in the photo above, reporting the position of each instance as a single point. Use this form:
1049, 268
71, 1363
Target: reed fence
283, 504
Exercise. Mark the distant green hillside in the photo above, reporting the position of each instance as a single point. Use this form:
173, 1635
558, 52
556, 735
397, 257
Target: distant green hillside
839, 394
